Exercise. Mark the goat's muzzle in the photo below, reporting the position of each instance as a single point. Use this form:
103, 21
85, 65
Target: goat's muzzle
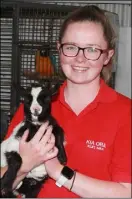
36, 112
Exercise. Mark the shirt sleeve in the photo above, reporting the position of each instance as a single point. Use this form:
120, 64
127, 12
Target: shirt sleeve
17, 118
121, 161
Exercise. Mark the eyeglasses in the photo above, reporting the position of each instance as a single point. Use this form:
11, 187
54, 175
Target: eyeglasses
90, 53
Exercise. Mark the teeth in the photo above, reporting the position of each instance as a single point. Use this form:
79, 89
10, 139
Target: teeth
80, 68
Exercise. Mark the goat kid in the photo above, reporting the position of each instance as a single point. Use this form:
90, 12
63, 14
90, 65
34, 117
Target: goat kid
37, 110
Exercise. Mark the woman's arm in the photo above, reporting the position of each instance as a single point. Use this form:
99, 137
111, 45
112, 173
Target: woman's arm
19, 178
88, 187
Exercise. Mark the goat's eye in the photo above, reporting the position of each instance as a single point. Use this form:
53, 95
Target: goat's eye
28, 99
47, 99
40, 99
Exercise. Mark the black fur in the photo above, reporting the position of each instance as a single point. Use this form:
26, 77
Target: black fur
30, 186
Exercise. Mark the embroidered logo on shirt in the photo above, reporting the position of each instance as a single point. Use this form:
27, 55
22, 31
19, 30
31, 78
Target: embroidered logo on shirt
96, 145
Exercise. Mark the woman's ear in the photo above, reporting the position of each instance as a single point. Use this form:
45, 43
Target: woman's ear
58, 45
109, 56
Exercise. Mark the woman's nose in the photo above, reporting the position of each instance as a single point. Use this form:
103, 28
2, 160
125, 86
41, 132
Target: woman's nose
80, 56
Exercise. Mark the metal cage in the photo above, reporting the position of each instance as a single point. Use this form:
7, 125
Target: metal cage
29, 32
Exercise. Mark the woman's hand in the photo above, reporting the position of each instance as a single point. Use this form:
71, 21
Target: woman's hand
38, 150
53, 168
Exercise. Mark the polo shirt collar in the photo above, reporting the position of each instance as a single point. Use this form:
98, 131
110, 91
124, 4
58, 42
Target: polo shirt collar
105, 95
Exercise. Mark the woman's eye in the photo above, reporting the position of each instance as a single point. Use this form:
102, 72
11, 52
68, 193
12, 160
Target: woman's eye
70, 47
91, 49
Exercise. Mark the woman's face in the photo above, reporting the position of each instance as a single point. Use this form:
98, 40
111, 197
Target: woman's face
84, 34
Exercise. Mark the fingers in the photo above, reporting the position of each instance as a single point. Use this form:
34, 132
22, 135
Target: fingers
47, 144
52, 153
46, 136
52, 139
25, 135
39, 133
43, 142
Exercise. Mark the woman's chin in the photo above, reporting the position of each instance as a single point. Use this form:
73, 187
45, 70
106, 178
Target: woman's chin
78, 81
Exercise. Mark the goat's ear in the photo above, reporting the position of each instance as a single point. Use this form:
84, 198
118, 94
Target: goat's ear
55, 89
19, 89
23, 91
47, 85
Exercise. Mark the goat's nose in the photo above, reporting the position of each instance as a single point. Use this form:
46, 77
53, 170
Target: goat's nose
36, 108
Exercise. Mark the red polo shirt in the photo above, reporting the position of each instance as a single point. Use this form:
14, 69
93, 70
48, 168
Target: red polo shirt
98, 139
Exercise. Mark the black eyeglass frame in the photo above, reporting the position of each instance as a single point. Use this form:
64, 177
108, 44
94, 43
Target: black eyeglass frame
79, 48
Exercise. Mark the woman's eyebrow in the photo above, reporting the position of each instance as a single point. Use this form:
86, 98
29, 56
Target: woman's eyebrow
87, 45
92, 45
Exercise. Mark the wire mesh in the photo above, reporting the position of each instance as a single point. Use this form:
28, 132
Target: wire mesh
5, 62
29, 33
38, 32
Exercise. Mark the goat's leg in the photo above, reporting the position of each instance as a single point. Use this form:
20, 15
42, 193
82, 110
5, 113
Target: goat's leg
59, 143
31, 187
14, 162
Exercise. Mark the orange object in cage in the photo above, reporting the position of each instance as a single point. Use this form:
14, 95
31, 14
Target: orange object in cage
43, 63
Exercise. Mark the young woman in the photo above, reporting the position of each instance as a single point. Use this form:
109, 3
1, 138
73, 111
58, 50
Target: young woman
95, 118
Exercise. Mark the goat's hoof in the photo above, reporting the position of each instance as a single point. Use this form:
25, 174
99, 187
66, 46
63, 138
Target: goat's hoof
6, 193
33, 182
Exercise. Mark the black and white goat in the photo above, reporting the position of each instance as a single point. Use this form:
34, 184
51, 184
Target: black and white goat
37, 109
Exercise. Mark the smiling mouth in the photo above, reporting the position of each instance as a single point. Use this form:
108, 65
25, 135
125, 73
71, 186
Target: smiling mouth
79, 69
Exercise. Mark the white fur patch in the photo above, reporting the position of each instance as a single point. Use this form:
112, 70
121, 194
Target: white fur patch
35, 105
10, 144
37, 173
